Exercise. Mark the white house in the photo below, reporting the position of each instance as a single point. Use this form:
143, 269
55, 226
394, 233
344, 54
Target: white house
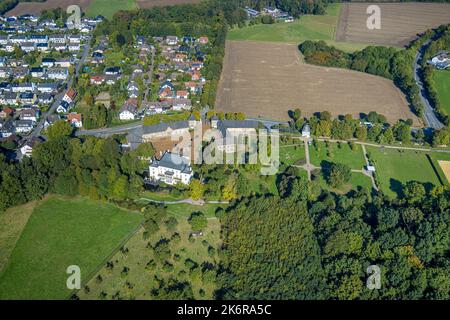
128, 110
171, 169
306, 131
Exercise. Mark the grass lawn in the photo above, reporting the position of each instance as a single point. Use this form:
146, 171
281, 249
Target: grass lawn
360, 180
435, 156
139, 280
12, 222
292, 154
353, 158
308, 27
63, 232
442, 80
400, 166
184, 210
357, 180
108, 8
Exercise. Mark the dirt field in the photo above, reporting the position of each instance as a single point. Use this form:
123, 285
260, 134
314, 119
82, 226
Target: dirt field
155, 3
268, 79
445, 166
400, 22
37, 7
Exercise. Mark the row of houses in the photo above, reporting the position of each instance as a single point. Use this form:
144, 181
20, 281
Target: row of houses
271, 11
29, 23
52, 73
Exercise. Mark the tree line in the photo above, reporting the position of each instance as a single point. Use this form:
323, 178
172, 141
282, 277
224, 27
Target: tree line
88, 166
314, 244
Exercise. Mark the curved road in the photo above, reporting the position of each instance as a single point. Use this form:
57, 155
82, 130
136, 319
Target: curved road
430, 117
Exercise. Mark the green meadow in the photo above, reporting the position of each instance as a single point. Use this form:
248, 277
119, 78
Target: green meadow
63, 232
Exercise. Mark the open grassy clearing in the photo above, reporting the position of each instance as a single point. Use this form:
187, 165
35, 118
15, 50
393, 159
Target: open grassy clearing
266, 80
12, 223
400, 22
63, 232
357, 180
396, 166
108, 8
308, 27
292, 154
337, 152
441, 79
139, 280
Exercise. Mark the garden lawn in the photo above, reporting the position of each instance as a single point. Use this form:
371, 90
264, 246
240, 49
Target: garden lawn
441, 79
63, 232
344, 154
292, 154
395, 167
108, 8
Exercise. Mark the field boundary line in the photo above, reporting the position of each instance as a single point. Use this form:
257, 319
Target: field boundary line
107, 258
435, 170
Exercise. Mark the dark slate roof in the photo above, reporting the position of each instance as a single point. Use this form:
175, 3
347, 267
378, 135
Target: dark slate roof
163, 127
223, 125
173, 161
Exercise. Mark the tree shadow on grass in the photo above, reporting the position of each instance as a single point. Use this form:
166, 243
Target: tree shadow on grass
396, 186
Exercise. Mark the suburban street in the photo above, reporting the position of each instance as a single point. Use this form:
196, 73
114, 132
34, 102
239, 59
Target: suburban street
40, 125
430, 117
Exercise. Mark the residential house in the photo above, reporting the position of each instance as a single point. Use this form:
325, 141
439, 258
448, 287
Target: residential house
97, 80
171, 169
22, 87
44, 98
23, 126
70, 95
171, 40
128, 110
75, 119
57, 38
57, 73
29, 114
37, 72
27, 98
63, 107
47, 87
48, 62
63, 63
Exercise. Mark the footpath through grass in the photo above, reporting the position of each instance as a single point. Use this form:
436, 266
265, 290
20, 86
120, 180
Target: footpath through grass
63, 232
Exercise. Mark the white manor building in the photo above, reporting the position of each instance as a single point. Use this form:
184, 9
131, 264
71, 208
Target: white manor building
171, 169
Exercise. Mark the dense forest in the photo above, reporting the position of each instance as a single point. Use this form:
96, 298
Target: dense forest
318, 245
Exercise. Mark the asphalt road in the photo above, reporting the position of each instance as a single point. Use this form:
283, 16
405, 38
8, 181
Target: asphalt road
40, 125
430, 117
